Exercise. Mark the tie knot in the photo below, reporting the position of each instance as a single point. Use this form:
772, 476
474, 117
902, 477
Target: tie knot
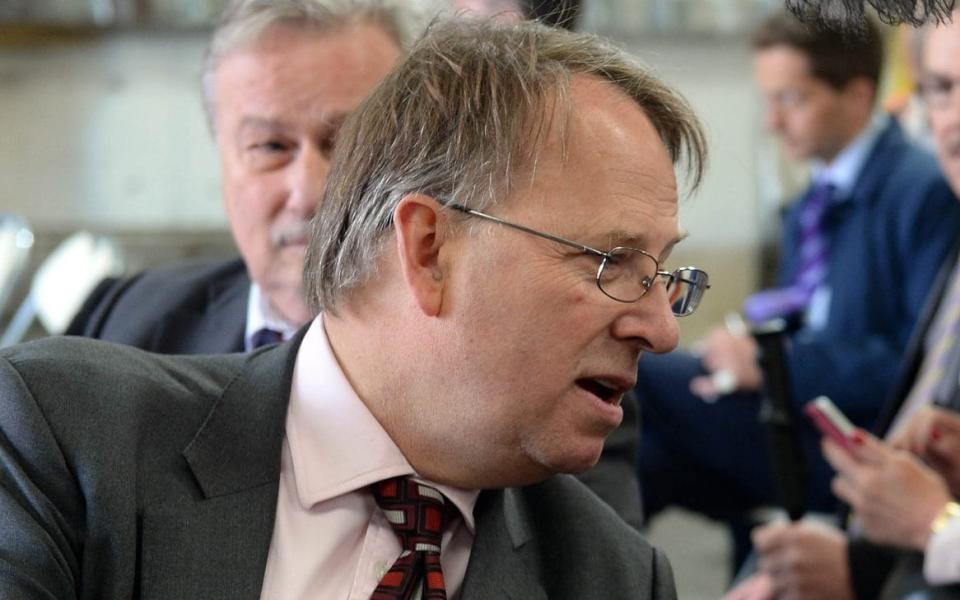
417, 512
265, 337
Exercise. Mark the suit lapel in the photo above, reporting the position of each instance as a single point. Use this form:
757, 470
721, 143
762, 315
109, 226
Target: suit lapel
877, 167
215, 326
505, 560
914, 354
215, 546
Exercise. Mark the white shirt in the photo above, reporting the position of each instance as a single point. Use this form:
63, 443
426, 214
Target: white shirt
941, 561
260, 315
330, 539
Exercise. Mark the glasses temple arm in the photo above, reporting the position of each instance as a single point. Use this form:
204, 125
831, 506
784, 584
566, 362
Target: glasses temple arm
524, 229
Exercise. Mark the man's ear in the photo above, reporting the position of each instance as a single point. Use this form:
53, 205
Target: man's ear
417, 221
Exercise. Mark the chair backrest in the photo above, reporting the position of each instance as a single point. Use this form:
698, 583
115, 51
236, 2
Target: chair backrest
16, 241
63, 282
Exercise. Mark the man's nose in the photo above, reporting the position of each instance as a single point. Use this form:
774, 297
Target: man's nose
306, 180
649, 322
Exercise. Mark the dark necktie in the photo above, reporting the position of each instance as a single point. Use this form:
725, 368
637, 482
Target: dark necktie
418, 514
265, 337
786, 301
938, 372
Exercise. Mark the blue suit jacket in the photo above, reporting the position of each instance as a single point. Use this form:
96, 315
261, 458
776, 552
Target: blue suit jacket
886, 244
885, 247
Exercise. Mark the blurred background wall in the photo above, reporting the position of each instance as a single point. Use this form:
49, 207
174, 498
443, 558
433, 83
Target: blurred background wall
101, 127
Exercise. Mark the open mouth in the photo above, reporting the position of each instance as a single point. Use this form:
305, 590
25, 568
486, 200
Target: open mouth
606, 391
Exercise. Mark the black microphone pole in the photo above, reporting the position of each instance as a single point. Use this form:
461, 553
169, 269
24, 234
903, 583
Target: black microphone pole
778, 417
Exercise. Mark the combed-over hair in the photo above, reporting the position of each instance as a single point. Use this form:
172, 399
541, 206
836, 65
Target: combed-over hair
458, 117
244, 21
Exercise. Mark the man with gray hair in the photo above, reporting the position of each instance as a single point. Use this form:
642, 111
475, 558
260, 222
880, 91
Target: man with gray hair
279, 79
489, 262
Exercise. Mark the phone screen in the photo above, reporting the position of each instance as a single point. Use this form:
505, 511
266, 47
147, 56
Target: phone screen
830, 421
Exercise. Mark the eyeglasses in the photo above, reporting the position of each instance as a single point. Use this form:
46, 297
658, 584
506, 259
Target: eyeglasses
627, 274
936, 89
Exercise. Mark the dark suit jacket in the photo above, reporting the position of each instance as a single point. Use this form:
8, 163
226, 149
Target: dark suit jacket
188, 308
201, 308
886, 244
874, 568
125, 474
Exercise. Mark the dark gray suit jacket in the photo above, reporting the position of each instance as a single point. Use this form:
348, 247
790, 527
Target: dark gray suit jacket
125, 474
883, 571
201, 308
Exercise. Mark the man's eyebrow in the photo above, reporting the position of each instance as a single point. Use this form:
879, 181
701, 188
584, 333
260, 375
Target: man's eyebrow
260, 123
671, 245
631, 239
333, 120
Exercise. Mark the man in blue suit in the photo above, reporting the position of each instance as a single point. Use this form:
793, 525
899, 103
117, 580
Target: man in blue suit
852, 281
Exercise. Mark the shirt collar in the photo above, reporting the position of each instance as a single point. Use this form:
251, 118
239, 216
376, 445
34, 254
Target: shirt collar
844, 170
336, 444
260, 315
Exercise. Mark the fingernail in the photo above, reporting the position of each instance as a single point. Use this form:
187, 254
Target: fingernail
858, 437
935, 434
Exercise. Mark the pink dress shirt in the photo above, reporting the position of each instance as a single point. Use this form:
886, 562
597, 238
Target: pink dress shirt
330, 540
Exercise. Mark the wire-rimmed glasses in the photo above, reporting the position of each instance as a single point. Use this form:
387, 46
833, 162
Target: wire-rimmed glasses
627, 274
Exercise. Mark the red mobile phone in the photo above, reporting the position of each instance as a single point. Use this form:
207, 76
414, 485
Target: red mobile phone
830, 421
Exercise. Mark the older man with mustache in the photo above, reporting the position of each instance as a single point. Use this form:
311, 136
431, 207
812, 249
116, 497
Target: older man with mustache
277, 84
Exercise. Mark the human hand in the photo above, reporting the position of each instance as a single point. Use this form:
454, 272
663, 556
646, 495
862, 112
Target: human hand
933, 434
804, 561
730, 353
894, 495
756, 587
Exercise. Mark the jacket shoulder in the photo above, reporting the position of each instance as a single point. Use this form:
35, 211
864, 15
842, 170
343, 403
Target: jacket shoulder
69, 369
589, 551
133, 310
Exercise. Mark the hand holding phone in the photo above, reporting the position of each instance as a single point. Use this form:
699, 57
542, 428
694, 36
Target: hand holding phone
831, 422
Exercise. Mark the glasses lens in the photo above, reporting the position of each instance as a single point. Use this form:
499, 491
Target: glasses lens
686, 290
626, 274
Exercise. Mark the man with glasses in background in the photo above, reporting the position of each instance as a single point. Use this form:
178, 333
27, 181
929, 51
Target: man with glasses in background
413, 440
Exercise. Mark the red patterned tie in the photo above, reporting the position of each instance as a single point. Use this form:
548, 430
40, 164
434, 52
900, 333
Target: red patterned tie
418, 515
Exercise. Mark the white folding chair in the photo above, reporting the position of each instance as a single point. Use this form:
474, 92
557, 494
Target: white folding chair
16, 240
63, 282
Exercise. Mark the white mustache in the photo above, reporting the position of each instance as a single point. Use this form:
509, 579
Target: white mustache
290, 234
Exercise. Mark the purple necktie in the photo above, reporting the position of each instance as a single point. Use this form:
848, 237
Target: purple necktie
786, 301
